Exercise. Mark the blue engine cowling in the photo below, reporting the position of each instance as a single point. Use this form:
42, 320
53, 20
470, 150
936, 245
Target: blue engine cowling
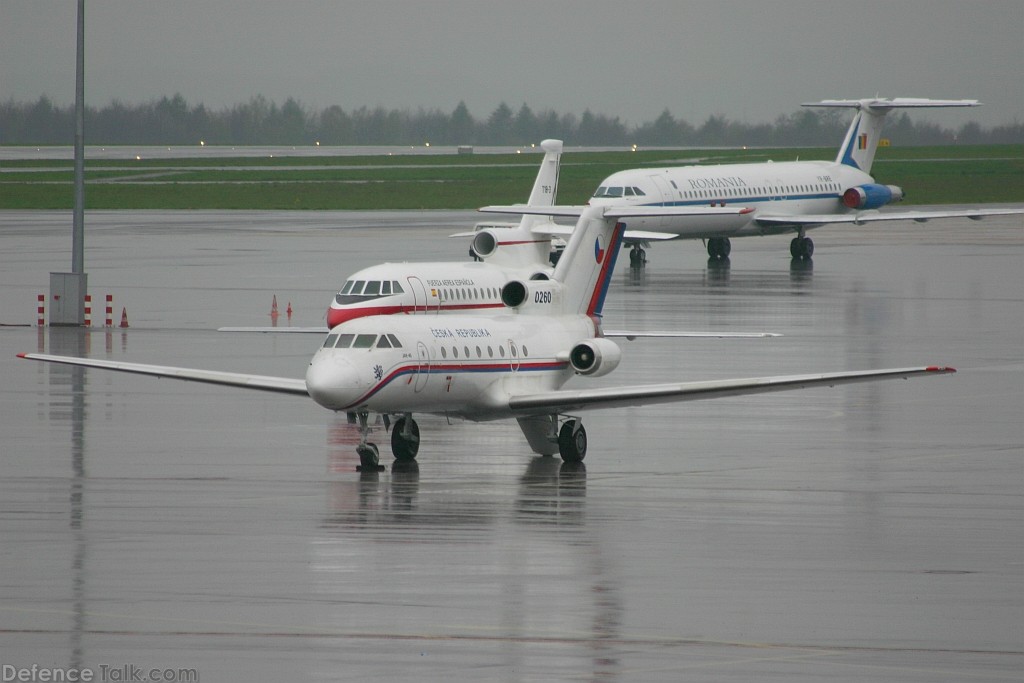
871, 196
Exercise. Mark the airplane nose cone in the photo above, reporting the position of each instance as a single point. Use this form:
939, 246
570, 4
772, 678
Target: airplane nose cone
333, 382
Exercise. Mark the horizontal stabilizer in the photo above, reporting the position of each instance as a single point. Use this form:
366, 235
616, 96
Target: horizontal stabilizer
884, 103
555, 230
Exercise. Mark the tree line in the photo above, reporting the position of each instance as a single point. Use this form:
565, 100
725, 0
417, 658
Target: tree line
173, 121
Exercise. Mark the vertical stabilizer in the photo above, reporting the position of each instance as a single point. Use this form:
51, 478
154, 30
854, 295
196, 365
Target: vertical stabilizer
865, 130
585, 267
546, 184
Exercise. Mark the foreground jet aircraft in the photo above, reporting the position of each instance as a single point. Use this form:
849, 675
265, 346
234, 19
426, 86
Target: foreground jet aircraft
784, 197
488, 367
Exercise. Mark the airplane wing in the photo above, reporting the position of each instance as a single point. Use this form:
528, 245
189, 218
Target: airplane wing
283, 330
620, 397
634, 334
284, 385
873, 216
628, 334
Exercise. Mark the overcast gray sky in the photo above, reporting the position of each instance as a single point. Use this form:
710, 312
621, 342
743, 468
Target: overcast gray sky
750, 61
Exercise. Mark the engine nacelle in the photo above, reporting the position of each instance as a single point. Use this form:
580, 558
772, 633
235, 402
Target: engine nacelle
595, 357
485, 243
509, 245
533, 296
871, 196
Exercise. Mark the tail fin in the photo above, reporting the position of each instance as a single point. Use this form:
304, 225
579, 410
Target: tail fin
546, 185
862, 138
517, 246
585, 267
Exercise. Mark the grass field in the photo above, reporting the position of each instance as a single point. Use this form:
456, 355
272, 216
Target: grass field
928, 175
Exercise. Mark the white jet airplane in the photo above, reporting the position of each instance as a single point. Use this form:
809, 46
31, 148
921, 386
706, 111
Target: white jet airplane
489, 367
783, 197
502, 251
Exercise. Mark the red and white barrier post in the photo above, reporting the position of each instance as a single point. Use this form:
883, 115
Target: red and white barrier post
41, 311
88, 310
108, 319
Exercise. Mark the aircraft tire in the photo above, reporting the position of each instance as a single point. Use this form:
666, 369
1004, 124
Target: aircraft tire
801, 248
369, 456
405, 449
719, 248
572, 442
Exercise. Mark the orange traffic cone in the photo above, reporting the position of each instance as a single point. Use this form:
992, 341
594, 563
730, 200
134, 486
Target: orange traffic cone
273, 308
124, 317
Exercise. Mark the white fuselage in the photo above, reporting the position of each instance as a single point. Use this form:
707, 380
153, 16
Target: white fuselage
457, 365
786, 188
443, 287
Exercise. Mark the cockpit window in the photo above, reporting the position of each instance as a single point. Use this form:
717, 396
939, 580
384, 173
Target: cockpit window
638, 192
609, 192
364, 341
345, 341
358, 291
394, 341
383, 342
329, 342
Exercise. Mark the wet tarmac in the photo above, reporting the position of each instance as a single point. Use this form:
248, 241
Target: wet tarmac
865, 533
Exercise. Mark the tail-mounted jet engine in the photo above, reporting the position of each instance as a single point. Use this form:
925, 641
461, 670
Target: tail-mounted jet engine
871, 196
539, 295
595, 357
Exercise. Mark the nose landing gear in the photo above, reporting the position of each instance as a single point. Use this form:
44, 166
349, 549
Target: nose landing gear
369, 456
405, 442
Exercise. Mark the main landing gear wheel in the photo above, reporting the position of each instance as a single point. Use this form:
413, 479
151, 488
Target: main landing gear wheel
637, 257
572, 441
719, 248
801, 248
405, 439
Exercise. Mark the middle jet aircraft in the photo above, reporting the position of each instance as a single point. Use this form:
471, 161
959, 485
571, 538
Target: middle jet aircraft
501, 252
490, 367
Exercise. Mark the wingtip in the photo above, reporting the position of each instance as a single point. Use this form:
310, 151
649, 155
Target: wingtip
22, 355
941, 369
